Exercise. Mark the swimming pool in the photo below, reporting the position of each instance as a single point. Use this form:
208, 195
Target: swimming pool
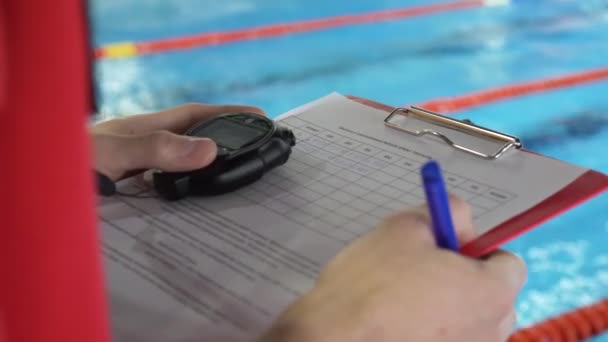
398, 62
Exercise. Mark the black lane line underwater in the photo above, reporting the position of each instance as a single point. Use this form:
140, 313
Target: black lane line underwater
579, 126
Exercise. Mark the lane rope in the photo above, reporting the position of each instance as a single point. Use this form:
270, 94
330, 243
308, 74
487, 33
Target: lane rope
483, 97
130, 49
579, 324
575, 325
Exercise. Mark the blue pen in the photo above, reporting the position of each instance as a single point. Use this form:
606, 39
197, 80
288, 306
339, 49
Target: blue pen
439, 207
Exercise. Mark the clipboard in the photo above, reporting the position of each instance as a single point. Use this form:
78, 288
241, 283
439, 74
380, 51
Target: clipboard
588, 185
256, 249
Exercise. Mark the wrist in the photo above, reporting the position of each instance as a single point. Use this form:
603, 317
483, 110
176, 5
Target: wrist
294, 325
315, 317
302, 321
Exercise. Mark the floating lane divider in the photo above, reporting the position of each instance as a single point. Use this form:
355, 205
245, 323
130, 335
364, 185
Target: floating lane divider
458, 103
129, 49
578, 324
572, 326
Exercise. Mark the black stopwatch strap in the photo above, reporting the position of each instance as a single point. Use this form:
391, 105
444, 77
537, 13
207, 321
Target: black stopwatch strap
172, 186
105, 186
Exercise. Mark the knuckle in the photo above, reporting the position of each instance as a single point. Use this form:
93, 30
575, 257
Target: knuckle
161, 144
110, 158
410, 222
519, 267
516, 267
408, 217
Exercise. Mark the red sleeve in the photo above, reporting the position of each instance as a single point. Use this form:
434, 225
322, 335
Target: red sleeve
51, 286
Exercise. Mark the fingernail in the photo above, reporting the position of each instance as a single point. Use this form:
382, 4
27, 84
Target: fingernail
193, 145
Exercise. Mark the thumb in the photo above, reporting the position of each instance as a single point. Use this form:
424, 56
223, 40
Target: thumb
462, 216
161, 150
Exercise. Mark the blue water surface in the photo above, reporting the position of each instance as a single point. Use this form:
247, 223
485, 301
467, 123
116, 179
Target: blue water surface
398, 62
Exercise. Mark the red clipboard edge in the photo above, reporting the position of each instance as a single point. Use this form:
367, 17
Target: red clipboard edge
585, 187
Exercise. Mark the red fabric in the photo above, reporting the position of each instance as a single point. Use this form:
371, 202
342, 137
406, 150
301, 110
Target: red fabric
51, 282
3, 66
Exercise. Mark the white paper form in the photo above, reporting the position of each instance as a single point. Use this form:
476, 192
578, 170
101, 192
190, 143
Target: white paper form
222, 268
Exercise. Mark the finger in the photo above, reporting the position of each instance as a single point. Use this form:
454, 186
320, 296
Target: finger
507, 268
412, 227
177, 119
461, 218
158, 150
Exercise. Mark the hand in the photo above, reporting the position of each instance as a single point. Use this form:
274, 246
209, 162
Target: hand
128, 145
394, 285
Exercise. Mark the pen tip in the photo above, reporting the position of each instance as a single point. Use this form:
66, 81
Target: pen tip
431, 165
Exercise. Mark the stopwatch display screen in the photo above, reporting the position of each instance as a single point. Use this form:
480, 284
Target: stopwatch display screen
230, 134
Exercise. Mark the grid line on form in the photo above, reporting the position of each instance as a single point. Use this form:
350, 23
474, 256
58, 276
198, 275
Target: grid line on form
341, 187
482, 201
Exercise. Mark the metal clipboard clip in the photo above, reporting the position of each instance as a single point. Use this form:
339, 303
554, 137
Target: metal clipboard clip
503, 141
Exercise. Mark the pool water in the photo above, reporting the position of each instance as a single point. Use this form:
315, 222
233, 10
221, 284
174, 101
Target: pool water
399, 62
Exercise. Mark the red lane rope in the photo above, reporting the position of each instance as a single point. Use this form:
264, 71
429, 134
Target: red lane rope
584, 322
458, 103
576, 325
222, 37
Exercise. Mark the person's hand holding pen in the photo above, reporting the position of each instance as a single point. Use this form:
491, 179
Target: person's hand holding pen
396, 284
